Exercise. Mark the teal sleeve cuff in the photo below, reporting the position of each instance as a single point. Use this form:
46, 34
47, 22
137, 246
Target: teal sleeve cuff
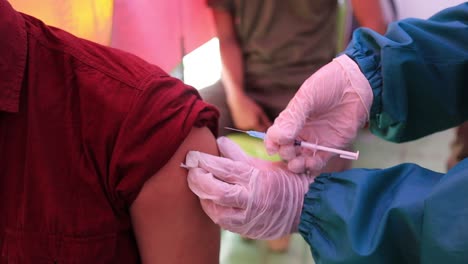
309, 226
311, 202
368, 60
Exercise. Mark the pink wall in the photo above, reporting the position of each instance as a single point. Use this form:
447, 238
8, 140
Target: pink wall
154, 29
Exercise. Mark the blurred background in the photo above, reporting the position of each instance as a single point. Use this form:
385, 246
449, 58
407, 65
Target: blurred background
179, 36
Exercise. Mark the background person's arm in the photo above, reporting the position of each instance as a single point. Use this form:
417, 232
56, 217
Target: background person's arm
369, 13
246, 114
231, 54
169, 223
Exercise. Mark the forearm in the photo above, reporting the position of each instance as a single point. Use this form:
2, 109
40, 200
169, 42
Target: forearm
403, 214
369, 13
417, 71
231, 53
233, 68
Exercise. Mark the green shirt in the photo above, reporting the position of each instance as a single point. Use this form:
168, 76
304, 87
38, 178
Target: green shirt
283, 41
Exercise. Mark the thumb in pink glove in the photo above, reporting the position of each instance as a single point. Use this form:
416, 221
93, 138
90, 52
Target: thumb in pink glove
252, 197
328, 110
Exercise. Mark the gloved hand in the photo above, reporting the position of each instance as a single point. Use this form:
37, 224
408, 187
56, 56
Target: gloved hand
328, 110
255, 198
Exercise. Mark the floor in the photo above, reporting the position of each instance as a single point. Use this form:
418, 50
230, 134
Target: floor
430, 152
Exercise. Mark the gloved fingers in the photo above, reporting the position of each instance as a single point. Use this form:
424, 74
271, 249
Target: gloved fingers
288, 152
297, 165
271, 146
207, 187
282, 131
313, 163
224, 169
287, 125
278, 137
231, 150
228, 218
234, 220
317, 162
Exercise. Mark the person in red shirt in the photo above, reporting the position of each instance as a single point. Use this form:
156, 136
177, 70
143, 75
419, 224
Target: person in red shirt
91, 139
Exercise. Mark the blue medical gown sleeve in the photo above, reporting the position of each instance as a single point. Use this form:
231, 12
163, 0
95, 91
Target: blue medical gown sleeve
404, 214
418, 72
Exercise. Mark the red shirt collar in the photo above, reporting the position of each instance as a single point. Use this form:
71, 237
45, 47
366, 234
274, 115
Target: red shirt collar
13, 50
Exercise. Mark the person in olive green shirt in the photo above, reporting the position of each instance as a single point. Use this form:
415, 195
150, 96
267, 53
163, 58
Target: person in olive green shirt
269, 48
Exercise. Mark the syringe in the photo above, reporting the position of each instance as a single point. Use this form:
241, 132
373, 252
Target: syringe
343, 153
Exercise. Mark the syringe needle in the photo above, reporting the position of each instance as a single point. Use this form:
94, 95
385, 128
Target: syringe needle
343, 153
234, 129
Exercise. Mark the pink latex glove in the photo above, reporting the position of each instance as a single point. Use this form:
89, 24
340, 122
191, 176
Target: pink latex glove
328, 110
252, 197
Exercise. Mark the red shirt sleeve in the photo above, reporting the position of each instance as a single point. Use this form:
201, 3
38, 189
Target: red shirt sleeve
160, 119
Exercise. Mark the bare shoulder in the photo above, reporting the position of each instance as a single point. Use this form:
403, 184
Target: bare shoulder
200, 139
169, 223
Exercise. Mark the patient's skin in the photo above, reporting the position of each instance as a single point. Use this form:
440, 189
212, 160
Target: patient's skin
169, 223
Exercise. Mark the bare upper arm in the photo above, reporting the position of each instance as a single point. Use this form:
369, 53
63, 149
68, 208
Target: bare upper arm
169, 223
